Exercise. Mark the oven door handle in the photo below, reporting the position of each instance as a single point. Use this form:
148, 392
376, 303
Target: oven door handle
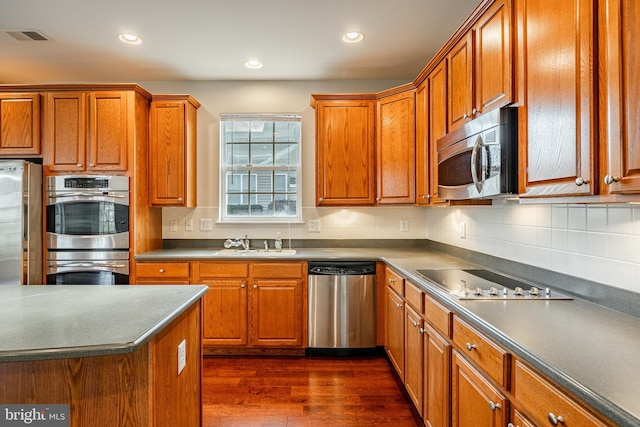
474, 159
86, 264
86, 193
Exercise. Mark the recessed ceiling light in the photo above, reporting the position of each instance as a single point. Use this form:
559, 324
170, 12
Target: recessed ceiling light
129, 38
254, 64
353, 37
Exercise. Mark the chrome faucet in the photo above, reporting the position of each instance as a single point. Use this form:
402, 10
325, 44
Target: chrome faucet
238, 241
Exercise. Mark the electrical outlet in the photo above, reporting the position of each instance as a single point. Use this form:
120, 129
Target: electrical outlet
463, 230
206, 224
404, 225
313, 226
182, 355
188, 225
173, 225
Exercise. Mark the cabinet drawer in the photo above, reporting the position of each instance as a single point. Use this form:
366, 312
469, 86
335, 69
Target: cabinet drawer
488, 356
276, 270
542, 402
414, 296
222, 269
162, 269
394, 281
438, 316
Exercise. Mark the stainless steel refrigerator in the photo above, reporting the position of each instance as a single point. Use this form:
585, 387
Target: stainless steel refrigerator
20, 223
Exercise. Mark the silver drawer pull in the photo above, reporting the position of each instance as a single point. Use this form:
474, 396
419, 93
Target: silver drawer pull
494, 406
471, 346
555, 420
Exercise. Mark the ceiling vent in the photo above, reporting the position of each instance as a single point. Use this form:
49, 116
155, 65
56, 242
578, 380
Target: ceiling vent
27, 35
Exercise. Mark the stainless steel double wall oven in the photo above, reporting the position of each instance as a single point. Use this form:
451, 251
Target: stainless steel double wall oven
87, 229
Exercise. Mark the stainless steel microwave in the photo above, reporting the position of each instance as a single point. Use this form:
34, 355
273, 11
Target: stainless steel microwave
480, 159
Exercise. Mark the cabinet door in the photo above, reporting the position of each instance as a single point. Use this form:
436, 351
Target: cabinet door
225, 312
423, 183
475, 402
437, 379
556, 92
65, 131
172, 150
413, 356
275, 313
395, 149
459, 81
345, 143
437, 121
19, 124
493, 85
395, 331
619, 22
108, 131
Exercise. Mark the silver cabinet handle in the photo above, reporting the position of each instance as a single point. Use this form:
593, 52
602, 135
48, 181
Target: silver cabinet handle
79, 165
610, 179
555, 420
423, 330
415, 324
580, 181
474, 111
471, 346
392, 280
161, 270
399, 305
255, 286
180, 199
242, 286
91, 165
494, 406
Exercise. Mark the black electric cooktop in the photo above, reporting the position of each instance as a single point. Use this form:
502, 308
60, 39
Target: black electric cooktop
488, 285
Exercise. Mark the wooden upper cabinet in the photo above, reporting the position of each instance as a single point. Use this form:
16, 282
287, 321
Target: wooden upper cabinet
19, 124
619, 25
345, 144
437, 106
480, 66
172, 150
395, 148
460, 83
86, 131
557, 125
493, 75
423, 181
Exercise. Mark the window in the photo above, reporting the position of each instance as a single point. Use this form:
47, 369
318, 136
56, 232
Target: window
260, 167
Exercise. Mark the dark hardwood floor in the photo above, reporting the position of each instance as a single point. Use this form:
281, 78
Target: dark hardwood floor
304, 391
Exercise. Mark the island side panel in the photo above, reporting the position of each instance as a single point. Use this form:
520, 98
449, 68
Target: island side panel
104, 390
177, 398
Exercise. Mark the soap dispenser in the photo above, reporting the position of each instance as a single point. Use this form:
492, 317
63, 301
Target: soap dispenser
278, 242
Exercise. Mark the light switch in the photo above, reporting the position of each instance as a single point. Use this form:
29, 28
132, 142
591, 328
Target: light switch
182, 355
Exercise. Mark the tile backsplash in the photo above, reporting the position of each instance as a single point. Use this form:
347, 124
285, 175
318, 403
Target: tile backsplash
595, 242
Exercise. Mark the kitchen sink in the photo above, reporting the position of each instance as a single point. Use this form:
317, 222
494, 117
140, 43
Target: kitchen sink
258, 253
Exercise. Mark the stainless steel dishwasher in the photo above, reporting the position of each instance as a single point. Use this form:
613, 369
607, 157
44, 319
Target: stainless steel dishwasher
342, 307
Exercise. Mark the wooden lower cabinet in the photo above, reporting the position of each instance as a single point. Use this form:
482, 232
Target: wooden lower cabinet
394, 343
162, 273
519, 420
543, 403
474, 400
253, 304
414, 348
437, 379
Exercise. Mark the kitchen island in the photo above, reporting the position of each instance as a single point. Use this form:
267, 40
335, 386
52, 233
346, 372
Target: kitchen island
112, 353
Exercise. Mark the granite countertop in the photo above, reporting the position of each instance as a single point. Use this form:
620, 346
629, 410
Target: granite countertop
588, 349
52, 322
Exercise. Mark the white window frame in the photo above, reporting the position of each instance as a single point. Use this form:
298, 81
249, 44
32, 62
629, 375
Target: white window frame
225, 168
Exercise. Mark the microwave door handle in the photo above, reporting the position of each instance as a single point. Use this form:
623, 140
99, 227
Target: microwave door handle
87, 264
474, 159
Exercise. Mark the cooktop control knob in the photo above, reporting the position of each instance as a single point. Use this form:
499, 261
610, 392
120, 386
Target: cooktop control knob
493, 291
518, 291
534, 291
478, 291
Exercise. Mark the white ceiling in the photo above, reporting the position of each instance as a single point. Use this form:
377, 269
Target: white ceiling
211, 39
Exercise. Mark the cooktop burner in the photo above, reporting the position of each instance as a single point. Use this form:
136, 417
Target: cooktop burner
488, 285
